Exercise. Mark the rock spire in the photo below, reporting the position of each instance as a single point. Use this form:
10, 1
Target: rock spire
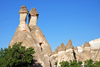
69, 45
86, 44
37, 33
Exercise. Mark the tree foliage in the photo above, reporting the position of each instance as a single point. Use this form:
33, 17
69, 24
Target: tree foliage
91, 63
55, 63
70, 64
87, 63
16, 56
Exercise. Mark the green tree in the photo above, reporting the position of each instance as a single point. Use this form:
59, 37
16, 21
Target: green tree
55, 63
64, 64
97, 64
1, 53
16, 56
75, 64
70, 64
89, 63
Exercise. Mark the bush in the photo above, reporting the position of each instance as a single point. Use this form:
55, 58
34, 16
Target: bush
91, 63
55, 63
17, 56
70, 64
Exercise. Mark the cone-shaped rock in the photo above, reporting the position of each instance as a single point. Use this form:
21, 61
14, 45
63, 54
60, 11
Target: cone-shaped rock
62, 47
22, 33
69, 45
37, 33
56, 50
86, 44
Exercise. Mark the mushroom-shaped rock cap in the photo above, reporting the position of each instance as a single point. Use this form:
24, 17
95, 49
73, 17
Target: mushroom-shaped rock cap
23, 10
69, 45
86, 44
34, 12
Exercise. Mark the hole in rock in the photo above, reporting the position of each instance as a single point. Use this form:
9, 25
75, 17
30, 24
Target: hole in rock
40, 45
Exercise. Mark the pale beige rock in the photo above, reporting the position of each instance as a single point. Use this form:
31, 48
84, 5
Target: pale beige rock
53, 59
38, 35
34, 12
32, 36
23, 10
39, 38
94, 53
75, 48
62, 47
87, 54
86, 45
22, 34
95, 44
65, 56
98, 56
69, 45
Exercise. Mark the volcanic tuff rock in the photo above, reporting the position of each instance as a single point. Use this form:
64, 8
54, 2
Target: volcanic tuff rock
32, 36
59, 48
37, 33
95, 44
86, 44
98, 56
69, 45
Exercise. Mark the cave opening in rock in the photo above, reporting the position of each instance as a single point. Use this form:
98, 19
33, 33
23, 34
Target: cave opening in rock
40, 45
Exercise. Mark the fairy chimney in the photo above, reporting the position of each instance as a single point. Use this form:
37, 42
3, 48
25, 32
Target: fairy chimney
62, 47
23, 15
33, 17
37, 33
22, 33
86, 46
69, 45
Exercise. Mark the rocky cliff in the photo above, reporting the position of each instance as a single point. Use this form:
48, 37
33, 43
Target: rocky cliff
32, 36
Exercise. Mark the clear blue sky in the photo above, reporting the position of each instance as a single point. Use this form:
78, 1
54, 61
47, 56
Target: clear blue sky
59, 20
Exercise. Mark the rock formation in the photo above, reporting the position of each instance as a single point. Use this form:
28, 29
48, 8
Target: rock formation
69, 45
22, 33
86, 53
98, 56
37, 33
32, 36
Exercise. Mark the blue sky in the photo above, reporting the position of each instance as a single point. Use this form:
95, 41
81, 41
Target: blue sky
59, 20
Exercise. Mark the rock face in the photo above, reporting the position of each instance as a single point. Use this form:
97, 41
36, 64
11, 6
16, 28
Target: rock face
37, 33
95, 44
69, 45
63, 53
22, 33
32, 36
86, 53
98, 56
94, 47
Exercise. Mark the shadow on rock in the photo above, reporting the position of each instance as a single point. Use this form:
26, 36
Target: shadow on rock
36, 64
